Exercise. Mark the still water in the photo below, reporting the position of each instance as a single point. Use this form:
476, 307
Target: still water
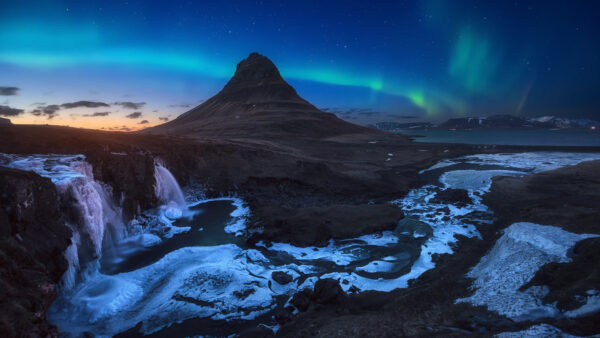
510, 137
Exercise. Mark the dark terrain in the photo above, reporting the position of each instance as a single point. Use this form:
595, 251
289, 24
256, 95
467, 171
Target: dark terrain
427, 307
307, 177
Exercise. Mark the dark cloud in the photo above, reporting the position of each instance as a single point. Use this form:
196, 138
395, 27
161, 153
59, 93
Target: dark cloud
164, 118
8, 111
122, 128
182, 105
49, 111
8, 91
130, 105
143, 122
97, 114
84, 104
135, 115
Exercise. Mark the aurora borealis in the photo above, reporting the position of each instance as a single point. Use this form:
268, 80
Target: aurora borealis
429, 59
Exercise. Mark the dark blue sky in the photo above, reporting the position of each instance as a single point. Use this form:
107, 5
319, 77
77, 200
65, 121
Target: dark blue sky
431, 59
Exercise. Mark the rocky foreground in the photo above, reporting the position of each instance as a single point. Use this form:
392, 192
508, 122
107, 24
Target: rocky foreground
566, 197
303, 191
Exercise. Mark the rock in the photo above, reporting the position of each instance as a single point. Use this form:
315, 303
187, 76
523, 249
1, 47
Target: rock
301, 300
328, 291
33, 237
281, 277
458, 197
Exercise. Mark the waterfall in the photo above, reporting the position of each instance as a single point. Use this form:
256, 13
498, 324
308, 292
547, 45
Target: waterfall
168, 192
92, 214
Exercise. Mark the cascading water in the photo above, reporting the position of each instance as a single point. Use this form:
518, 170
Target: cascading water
172, 270
92, 212
168, 191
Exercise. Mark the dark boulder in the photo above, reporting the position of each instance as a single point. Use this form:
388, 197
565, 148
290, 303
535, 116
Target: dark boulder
301, 300
458, 197
281, 277
328, 291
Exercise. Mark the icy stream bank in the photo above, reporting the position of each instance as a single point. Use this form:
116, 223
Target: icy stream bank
186, 260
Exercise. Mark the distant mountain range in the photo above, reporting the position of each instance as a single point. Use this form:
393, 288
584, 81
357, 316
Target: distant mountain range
494, 122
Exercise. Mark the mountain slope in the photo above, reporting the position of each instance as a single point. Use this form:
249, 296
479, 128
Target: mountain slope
257, 102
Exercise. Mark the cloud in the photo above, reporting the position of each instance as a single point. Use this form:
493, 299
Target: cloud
8, 91
130, 105
49, 111
85, 104
134, 115
182, 105
8, 111
143, 122
97, 114
164, 118
122, 128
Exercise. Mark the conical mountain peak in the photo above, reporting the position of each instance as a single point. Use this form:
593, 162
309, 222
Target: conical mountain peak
257, 102
255, 70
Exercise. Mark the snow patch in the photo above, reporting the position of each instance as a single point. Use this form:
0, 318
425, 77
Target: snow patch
512, 262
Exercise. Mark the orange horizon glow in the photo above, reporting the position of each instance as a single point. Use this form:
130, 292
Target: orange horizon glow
112, 122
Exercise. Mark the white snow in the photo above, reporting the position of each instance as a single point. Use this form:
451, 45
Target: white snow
186, 283
533, 161
377, 266
535, 331
512, 262
340, 255
474, 180
592, 305
203, 281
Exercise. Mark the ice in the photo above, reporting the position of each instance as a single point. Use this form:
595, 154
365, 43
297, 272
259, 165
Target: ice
535, 331
474, 180
532, 161
148, 240
232, 283
340, 255
377, 266
239, 215
186, 283
378, 239
512, 262
166, 188
591, 306
439, 165
92, 201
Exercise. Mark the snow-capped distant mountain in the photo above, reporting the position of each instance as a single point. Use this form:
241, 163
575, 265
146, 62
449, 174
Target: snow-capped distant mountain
566, 123
496, 122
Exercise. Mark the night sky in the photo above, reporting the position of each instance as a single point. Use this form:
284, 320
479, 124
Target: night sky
131, 64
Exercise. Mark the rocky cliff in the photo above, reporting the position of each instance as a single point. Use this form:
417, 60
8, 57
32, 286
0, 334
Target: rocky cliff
33, 237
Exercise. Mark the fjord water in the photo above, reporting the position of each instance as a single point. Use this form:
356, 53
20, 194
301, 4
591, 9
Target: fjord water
187, 269
510, 137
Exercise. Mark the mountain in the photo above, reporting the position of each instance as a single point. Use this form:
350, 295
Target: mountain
495, 122
4, 121
566, 123
257, 102
490, 122
396, 126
